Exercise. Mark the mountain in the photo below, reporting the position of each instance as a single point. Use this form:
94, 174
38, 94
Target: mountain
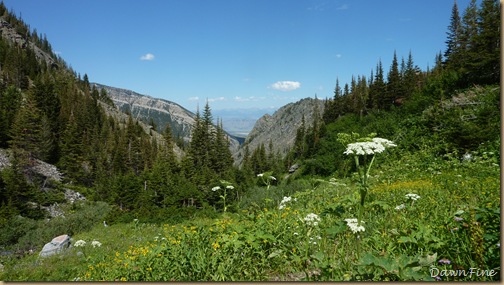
162, 112
281, 127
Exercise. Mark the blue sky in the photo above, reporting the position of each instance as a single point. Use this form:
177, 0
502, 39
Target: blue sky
237, 53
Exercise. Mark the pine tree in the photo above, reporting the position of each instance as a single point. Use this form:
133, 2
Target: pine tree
28, 134
393, 84
467, 52
72, 151
221, 157
377, 90
453, 42
410, 78
10, 101
485, 65
299, 141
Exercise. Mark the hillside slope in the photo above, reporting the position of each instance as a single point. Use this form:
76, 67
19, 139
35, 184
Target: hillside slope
162, 112
281, 127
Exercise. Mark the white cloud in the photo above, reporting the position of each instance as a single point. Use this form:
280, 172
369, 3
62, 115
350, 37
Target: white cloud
193, 98
286, 85
148, 56
216, 99
247, 99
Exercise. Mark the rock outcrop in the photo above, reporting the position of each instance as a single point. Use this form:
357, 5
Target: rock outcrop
56, 245
281, 127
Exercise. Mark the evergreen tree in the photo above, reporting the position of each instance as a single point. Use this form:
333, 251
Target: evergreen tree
394, 88
221, 157
453, 42
71, 152
10, 101
485, 64
410, 78
377, 90
28, 133
299, 141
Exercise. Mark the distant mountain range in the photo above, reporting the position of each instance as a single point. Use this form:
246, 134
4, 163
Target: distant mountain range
239, 122
162, 112
250, 127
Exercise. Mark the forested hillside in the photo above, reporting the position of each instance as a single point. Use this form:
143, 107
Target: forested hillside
198, 216
50, 113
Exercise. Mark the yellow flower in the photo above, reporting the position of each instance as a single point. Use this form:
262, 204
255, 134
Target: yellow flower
123, 279
216, 245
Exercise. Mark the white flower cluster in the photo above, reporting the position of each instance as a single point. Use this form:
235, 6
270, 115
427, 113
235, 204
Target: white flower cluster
353, 225
96, 243
216, 188
413, 197
285, 200
377, 145
79, 243
231, 187
269, 177
400, 207
312, 219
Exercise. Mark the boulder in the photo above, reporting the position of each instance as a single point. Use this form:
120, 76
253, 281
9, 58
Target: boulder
57, 245
293, 168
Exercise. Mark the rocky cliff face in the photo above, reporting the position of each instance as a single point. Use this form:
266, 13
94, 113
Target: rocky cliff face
162, 112
281, 127
10, 33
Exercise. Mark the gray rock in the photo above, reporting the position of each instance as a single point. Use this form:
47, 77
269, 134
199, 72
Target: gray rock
54, 210
72, 196
57, 245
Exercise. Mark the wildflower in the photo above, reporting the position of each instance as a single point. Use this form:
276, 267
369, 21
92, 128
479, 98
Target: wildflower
216, 188
272, 178
260, 175
96, 243
467, 157
296, 234
444, 261
312, 219
284, 200
80, 243
458, 219
400, 207
377, 145
231, 187
353, 225
413, 197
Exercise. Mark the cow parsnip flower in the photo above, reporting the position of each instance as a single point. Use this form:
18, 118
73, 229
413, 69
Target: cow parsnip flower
312, 219
354, 226
377, 145
413, 197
